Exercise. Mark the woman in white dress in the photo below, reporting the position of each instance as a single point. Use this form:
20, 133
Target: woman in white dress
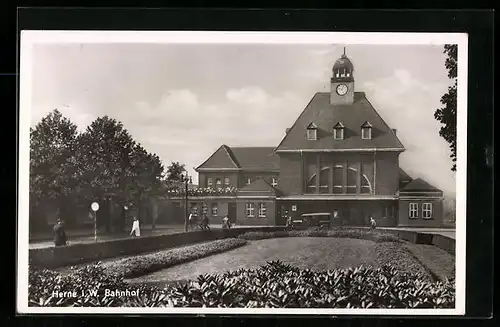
136, 230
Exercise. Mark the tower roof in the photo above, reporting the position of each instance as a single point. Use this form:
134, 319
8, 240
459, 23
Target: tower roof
343, 62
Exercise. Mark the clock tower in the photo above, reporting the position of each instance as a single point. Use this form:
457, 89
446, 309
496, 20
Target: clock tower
342, 82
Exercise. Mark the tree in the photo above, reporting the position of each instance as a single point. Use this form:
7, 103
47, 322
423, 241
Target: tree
175, 171
53, 171
447, 115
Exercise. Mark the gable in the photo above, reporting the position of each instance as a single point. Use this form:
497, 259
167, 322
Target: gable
220, 159
352, 116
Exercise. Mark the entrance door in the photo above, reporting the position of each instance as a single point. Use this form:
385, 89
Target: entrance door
231, 212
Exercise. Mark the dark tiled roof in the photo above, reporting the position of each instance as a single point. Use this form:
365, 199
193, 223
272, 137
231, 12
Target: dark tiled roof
260, 186
256, 158
403, 176
326, 116
245, 158
419, 184
221, 158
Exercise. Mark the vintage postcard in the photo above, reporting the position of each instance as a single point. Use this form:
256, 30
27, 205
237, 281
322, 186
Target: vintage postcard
242, 173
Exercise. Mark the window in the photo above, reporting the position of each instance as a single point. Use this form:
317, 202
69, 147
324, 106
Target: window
214, 209
194, 209
312, 134
204, 208
249, 181
413, 213
250, 210
366, 177
338, 131
226, 181
352, 175
324, 180
210, 182
366, 131
338, 179
311, 180
218, 183
262, 210
274, 182
427, 210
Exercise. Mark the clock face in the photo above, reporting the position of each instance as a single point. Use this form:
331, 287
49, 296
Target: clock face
342, 89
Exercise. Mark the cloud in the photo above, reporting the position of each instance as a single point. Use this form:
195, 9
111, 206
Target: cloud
408, 104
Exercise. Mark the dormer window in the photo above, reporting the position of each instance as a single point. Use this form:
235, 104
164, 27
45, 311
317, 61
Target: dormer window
312, 132
366, 131
338, 131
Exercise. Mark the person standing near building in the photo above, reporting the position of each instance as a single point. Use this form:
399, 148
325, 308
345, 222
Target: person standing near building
373, 223
205, 222
288, 218
136, 230
225, 222
59, 233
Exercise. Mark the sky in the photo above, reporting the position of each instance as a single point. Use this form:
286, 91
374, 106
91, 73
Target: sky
183, 101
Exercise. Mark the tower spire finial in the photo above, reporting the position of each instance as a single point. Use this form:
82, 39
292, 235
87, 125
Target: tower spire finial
344, 51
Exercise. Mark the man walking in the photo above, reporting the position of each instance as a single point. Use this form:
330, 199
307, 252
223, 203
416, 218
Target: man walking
373, 223
59, 233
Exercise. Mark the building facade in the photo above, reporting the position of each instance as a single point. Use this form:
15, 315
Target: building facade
338, 157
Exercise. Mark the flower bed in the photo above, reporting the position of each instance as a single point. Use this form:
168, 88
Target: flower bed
274, 285
375, 236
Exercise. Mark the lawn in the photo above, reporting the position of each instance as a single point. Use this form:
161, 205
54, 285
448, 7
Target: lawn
316, 253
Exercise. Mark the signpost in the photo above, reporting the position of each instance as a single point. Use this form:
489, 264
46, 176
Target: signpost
95, 206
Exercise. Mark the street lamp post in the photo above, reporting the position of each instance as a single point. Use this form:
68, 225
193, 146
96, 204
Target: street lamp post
187, 180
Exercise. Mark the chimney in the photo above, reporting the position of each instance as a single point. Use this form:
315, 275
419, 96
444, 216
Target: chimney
394, 130
287, 130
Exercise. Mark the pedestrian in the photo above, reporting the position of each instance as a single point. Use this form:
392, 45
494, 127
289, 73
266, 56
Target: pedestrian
373, 223
205, 222
136, 230
288, 220
191, 220
225, 222
59, 233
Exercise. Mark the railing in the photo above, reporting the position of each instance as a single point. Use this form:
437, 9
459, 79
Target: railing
207, 191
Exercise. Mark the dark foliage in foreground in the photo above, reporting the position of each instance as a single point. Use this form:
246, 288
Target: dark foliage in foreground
274, 285
364, 234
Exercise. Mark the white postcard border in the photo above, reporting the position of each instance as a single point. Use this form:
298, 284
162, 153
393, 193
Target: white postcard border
29, 38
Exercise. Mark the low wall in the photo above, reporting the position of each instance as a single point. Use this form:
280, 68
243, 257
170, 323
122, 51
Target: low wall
54, 257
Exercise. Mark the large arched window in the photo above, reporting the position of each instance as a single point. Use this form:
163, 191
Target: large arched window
324, 180
352, 176
338, 179
312, 170
311, 184
367, 177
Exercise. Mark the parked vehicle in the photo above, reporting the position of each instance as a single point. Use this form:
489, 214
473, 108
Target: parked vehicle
316, 219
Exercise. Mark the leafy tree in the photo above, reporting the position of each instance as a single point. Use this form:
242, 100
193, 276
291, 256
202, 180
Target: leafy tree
53, 171
447, 115
175, 171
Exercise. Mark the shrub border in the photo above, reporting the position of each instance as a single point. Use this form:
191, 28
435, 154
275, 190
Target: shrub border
54, 257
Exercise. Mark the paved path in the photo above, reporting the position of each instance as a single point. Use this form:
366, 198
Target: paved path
102, 238
448, 232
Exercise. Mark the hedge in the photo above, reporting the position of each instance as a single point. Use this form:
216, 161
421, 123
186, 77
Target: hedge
274, 285
140, 265
375, 236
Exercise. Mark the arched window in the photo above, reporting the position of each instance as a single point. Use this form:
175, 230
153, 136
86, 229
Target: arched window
338, 179
324, 180
311, 184
218, 183
352, 175
366, 186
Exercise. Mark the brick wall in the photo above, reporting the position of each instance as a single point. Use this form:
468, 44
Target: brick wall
387, 173
437, 213
203, 178
270, 219
290, 179
244, 175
